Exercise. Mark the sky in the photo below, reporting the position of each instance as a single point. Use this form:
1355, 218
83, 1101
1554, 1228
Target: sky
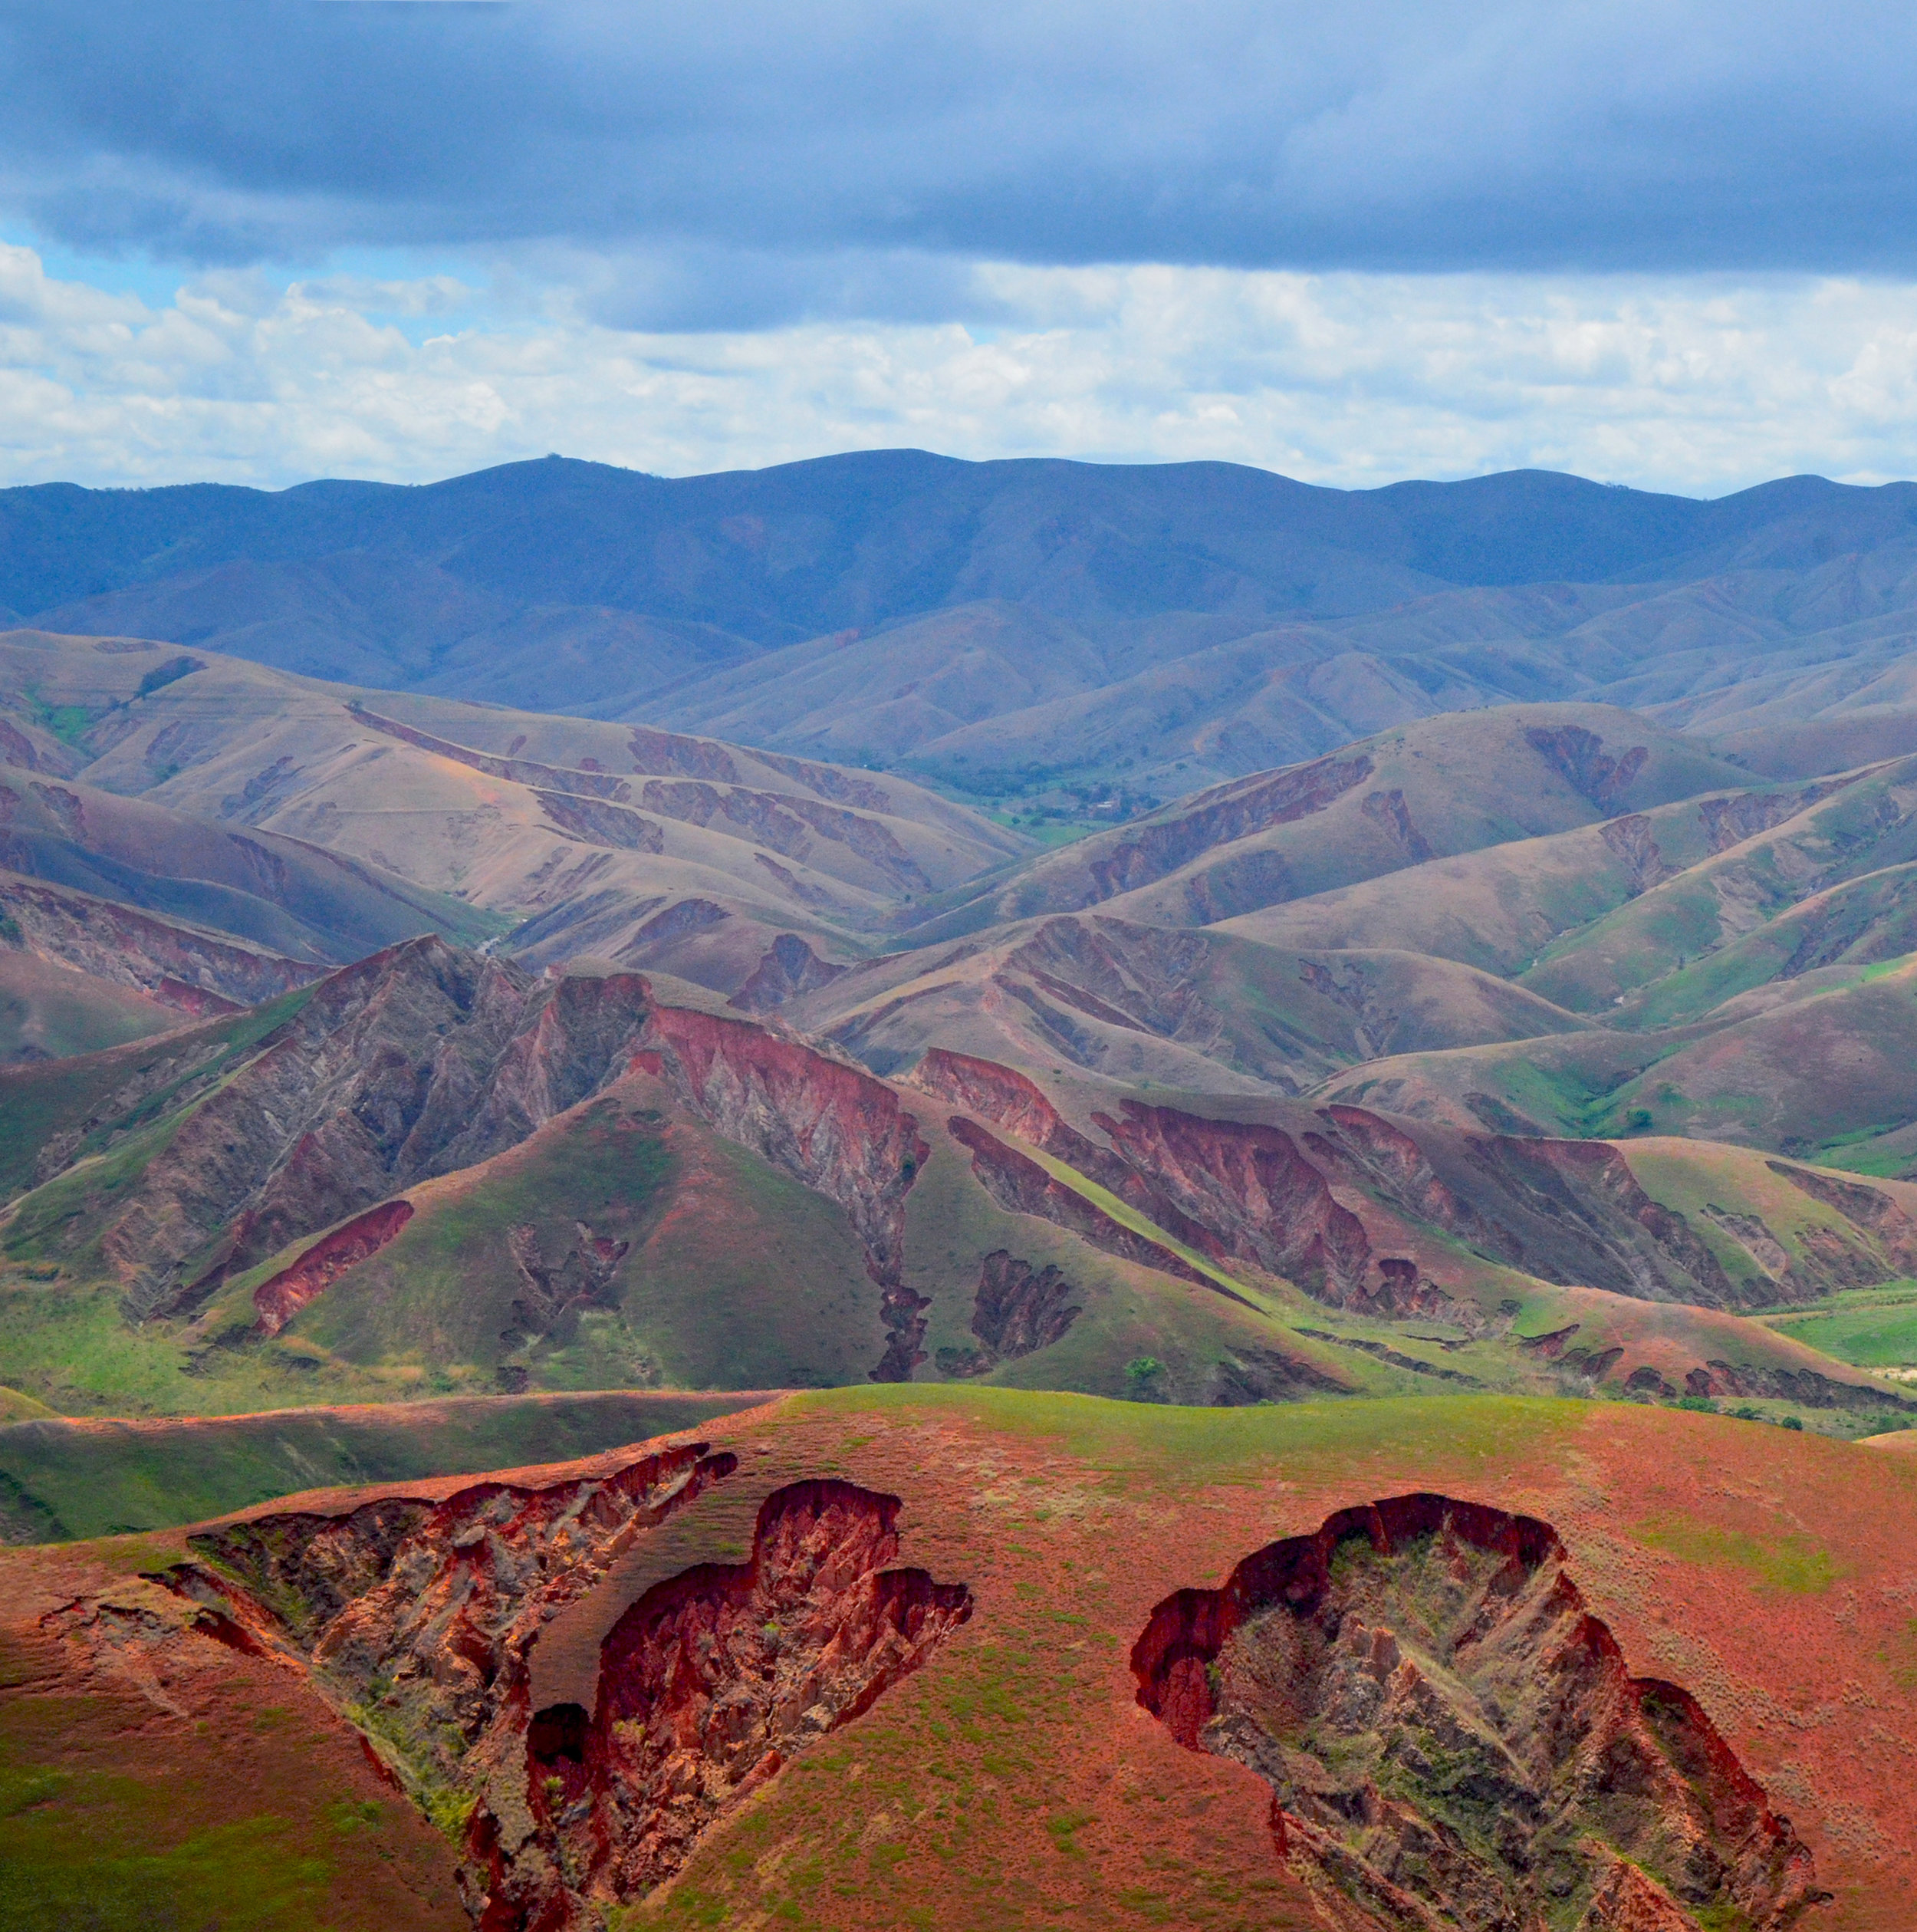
260, 240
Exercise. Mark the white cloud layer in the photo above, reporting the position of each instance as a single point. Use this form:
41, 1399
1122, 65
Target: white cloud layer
1697, 386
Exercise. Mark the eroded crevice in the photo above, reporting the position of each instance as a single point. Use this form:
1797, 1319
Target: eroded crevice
552, 1296
280, 1298
1019, 1309
1452, 1738
708, 1684
418, 1623
416, 1620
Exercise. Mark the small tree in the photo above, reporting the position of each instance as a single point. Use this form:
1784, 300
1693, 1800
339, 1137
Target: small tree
1143, 1376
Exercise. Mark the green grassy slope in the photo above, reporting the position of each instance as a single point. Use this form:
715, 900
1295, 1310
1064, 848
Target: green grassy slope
60, 1478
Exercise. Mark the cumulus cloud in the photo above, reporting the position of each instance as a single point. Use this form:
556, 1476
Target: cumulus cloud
1701, 386
1387, 135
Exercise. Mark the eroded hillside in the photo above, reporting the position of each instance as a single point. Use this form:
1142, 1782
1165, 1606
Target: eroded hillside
433, 1163
880, 1653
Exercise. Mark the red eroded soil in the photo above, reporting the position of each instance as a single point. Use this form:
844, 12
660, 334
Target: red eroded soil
281, 1298
706, 1685
1013, 1778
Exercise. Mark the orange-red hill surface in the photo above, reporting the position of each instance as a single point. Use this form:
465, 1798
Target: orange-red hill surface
969, 1748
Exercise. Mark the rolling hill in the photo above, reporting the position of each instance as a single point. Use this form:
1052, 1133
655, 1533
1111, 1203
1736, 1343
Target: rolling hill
1243, 1344
1010, 628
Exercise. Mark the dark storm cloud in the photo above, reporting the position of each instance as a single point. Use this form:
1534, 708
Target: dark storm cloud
750, 161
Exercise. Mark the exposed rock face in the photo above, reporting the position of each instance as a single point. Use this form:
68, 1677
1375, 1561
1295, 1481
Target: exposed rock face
190, 971
597, 821
1233, 1190
584, 1278
1586, 1189
1804, 1385
1143, 854
281, 1298
1143, 977
1253, 1375
696, 786
1369, 1151
1008, 1099
1388, 809
418, 1622
1731, 820
419, 1061
1394, 1358
1020, 1309
1637, 850
791, 825
1020, 1185
1453, 1740
520, 771
1374, 1022
831, 1126
1566, 1211
1868, 1208
1256, 1198
1580, 757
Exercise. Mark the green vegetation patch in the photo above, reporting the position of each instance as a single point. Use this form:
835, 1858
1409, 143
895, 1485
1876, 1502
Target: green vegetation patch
91, 1849
58, 1480
1868, 1327
1791, 1565
1166, 1445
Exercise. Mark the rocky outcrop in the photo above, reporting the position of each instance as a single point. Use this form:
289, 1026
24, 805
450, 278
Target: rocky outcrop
831, 1126
282, 1296
1403, 1292
418, 1623
697, 785
190, 971
1578, 757
1451, 1738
